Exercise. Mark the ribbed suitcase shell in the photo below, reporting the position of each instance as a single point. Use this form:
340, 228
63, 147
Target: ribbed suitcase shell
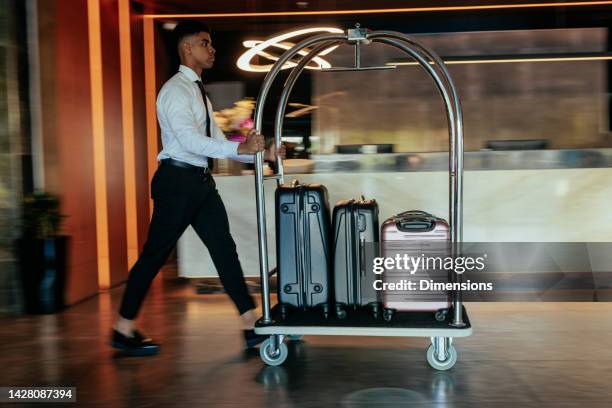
398, 237
303, 246
355, 226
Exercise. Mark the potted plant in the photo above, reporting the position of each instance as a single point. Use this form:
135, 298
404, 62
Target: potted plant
43, 254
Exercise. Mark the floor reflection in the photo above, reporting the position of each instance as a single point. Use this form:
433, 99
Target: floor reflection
347, 381
527, 354
385, 395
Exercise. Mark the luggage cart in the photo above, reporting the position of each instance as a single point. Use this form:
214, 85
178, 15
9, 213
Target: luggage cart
441, 354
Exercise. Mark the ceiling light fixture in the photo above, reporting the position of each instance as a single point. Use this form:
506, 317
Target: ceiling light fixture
392, 10
318, 61
258, 48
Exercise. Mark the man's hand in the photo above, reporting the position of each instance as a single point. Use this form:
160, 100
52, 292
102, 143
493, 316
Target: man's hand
254, 143
270, 153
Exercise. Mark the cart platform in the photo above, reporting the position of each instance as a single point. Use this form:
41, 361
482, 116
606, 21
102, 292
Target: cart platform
362, 323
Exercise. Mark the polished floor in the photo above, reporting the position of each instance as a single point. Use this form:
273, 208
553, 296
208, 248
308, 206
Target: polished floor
521, 355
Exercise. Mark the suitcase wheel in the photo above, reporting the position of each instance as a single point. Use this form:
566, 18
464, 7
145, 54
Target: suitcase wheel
441, 315
388, 314
375, 311
325, 309
340, 312
284, 312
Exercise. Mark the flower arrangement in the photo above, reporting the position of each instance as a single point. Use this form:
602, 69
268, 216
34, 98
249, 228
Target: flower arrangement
236, 122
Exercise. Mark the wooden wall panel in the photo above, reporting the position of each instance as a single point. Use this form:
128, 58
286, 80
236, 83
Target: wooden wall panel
111, 68
74, 144
140, 127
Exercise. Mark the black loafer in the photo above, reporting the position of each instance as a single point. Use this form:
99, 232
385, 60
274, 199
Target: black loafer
137, 345
252, 339
141, 338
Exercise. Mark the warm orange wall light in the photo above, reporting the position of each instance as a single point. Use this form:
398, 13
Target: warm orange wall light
127, 108
99, 157
150, 97
390, 10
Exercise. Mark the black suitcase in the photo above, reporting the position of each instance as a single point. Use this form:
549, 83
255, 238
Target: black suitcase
303, 247
355, 226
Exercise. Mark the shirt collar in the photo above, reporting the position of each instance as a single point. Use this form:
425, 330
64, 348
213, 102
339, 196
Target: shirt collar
191, 75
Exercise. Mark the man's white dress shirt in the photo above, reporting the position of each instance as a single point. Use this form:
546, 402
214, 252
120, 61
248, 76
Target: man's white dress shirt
182, 119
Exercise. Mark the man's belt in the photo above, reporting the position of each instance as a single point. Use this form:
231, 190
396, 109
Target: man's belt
184, 165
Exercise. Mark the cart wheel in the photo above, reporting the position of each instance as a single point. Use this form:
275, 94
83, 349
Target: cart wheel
441, 315
432, 359
295, 337
267, 357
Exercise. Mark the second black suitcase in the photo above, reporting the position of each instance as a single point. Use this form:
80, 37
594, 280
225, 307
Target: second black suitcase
355, 226
303, 247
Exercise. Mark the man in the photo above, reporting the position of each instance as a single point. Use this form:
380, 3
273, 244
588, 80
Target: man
184, 193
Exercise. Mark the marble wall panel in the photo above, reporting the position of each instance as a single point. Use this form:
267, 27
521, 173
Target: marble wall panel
558, 205
562, 102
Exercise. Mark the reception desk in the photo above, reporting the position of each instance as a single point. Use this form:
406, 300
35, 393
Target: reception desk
548, 204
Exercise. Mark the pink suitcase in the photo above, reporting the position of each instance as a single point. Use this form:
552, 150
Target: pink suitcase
415, 233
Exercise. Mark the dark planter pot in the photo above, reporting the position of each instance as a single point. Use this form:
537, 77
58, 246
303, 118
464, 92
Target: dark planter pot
43, 267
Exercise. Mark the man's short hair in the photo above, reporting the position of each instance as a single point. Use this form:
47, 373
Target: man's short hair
188, 27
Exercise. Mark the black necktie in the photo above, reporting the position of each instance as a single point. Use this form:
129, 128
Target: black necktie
203, 92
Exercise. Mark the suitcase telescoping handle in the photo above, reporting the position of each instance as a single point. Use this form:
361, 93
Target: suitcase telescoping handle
412, 213
356, 238
301, 234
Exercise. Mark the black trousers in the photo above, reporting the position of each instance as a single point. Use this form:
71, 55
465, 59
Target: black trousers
183, 197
